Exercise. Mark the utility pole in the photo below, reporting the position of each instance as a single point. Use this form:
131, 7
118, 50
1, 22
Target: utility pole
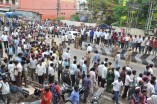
150, 17
58, 9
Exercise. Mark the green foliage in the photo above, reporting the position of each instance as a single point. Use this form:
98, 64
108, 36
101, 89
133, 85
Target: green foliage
75, 17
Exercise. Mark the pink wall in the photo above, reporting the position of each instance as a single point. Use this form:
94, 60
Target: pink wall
48, 7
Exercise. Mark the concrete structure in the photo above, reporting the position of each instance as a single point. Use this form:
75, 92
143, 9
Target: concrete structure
48, 8
29, 15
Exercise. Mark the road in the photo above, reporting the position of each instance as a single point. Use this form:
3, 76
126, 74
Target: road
80, 53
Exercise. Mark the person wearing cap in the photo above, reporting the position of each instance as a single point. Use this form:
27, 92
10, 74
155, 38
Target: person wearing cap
46, 95
5, 90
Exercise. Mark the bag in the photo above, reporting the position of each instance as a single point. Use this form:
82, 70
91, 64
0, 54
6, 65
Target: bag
55, 94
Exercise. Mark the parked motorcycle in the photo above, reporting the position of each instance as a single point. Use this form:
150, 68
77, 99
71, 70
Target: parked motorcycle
96, 97
68, 89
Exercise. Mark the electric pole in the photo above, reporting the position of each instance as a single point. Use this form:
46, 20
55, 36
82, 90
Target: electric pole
58, 9
150, 16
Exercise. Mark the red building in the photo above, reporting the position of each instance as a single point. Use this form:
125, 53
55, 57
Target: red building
48, 7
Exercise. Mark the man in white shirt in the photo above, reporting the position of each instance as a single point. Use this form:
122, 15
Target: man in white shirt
150, 88
100, 67
51, 73
98, 36
134, 43
103, 76
4, 38
40, 71
127, 41
18, 73
117, 85
116, 74
89, 48
128, 80
143, 45
139, 41
5, 89
63, 39
151, 69
33, 64
66, 55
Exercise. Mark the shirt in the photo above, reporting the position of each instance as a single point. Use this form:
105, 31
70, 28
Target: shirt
4, 37
5, 88
51, 71
106, 35
117, 85
19, 68
86, 83
128, 80
48, 96
73, 68
89, 48
116, 75
84, 69
100, 67
139, 40
74, 97
150, 89
33, 63
40, 70
104, 73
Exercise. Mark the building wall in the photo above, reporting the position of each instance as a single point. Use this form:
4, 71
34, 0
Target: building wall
48, 7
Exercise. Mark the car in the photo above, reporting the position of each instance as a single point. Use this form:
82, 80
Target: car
72, 33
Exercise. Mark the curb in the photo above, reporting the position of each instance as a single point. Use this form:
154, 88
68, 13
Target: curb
144, 59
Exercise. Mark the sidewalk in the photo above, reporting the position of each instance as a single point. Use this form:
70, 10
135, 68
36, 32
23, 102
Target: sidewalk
136, 57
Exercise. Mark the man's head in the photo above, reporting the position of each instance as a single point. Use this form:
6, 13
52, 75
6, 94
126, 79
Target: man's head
76, 88
119, 79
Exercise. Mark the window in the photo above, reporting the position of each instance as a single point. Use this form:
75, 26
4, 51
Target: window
13, 2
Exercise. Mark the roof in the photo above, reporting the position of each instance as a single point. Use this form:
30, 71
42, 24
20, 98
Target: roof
29, 11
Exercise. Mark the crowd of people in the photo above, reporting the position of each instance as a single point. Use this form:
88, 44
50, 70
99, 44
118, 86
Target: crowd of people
33, 54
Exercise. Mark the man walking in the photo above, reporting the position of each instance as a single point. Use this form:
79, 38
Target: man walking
86, 84
117, 85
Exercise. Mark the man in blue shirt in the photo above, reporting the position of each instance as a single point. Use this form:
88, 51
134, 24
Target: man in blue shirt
73, 68
86, 84
96, 57
91, 35
74, 97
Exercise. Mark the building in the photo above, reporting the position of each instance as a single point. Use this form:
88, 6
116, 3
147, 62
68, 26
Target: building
8, 5
48, 8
